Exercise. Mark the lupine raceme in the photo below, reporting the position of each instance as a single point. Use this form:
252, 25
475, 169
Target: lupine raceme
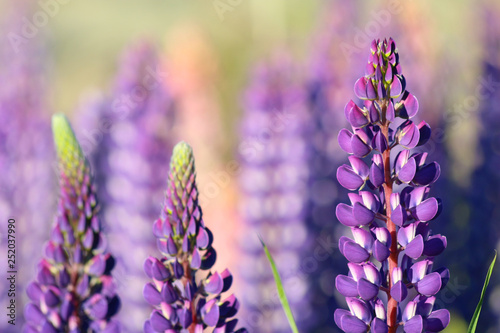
185, 297
73, 290
391, 281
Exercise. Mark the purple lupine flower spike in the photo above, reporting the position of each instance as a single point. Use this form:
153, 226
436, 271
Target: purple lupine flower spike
129, 133
73, 290
182, 301
392, 250
275, 155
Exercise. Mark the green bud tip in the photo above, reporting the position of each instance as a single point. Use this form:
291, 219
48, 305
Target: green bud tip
182, 155
68, 149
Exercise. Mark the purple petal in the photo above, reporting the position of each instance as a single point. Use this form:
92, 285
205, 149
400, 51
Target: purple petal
195, 259
396, 87
429, 285
33, 314
34, 292
51, 297
435, 245
151, 295
414, 325
438, 320
360, 88
427, 174
409, 135
398, 215
355, 253
356, 271
416, 196
418, 270
203, 238
96, 307
210, 313
359, 309
348, 178
378, 326
388, 74
381, 92
390, 114
445, 276
371, 91
362, 214
168, 293
425, 133
338, 314
363, 238
380, 251
379, 142
351, 324
359, 148
344, 139
376, 175
373, 113
185, 317
407, 172
359, 166
148, 264
159, 271
367, 290
347, 109
427, 210
370, 200
357, 118
346, 286
415, 248
345, 216
409, 107
214, 284
399, 291
158, 322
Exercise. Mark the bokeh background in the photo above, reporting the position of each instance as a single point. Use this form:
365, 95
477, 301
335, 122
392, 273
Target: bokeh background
258, 89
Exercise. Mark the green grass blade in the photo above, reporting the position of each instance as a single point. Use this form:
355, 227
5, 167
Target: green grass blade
475, 318
281, 290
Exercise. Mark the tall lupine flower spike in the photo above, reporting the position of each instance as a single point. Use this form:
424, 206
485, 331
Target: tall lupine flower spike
391, 281
185, 302
73, 290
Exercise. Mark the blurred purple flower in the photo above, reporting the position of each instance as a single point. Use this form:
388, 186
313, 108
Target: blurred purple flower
390, 213
327, 83
182, 300
129, 137
73, 290
25, 154
274, 156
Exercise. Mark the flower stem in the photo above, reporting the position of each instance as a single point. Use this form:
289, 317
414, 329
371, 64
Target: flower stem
392, 304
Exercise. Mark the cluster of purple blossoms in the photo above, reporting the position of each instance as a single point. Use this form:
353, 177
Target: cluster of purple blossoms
185, 302
274, 180
391, 281
73, 290
130, 139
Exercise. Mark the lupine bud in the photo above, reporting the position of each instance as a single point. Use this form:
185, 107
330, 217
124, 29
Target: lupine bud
184, 296
389, 228
73, 289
